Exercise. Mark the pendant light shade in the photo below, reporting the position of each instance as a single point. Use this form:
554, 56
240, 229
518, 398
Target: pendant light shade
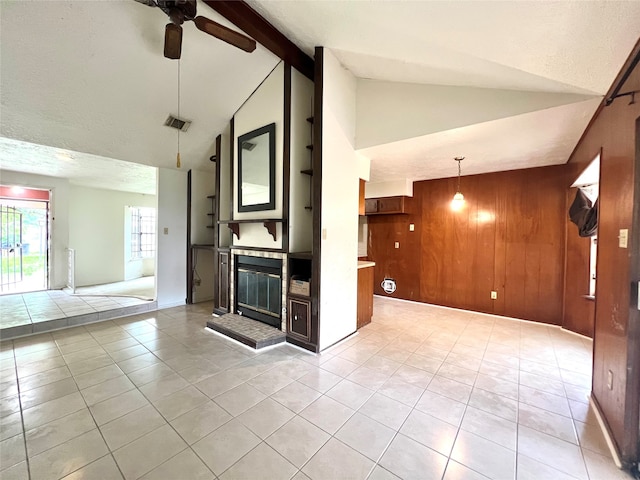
458, 199
458, 202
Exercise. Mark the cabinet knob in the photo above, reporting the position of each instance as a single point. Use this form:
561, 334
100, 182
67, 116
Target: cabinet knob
295, 318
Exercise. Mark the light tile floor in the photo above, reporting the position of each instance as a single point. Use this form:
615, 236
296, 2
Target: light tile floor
421, 392
36, 307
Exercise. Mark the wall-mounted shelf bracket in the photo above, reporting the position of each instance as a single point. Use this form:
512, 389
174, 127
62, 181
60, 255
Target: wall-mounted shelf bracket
235, 228
268, 223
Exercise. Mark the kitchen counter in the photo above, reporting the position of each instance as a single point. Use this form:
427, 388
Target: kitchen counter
365, 264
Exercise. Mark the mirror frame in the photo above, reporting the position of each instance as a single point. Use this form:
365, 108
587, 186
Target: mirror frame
271, 204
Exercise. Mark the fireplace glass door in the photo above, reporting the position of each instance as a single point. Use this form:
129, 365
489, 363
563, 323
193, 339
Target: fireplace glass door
259, 289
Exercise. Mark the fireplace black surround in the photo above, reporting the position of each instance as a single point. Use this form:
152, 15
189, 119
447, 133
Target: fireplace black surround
258, 288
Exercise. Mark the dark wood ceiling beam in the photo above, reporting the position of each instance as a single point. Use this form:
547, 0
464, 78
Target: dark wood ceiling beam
255, 25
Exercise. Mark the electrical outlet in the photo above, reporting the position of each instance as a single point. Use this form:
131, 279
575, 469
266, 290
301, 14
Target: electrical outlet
197, 282
623, 238
610, 380
166, 230
412, 227
494, 295
397, 244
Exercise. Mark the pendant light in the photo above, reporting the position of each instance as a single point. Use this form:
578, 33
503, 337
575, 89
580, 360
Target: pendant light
458, 199
178, 155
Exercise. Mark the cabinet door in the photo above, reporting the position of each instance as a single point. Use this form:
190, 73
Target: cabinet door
391, 205
299, 318
223, 280
370, 205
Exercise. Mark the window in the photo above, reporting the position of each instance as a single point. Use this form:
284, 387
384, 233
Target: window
143, 232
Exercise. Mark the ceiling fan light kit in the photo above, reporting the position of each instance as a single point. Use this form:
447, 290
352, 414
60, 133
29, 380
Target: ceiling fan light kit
180, 11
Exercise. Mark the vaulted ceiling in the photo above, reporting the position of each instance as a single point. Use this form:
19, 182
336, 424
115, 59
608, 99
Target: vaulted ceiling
507, 84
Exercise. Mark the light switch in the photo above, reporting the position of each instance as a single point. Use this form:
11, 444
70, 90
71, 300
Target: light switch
166, 230
324, 233
397, 244
623, 238
412, 227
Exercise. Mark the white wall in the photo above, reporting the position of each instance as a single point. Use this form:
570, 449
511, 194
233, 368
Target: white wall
171, 270
389, 189
265, 106
300, 219
97, 233
392, 111
340, 187
202, 185
363, 236
59, 219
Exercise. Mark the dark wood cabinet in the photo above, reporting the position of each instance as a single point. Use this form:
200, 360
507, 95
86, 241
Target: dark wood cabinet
370, 206
222, 294
365, 296
302, 322
385, 205
299, 324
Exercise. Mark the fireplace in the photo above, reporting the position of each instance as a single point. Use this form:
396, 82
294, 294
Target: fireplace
258, 288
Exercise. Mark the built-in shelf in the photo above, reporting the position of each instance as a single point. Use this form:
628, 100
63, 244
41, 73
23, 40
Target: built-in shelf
268, 223
308, 207
212, 213
308, 171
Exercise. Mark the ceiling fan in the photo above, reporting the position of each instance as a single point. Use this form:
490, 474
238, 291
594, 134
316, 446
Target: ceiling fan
180, 11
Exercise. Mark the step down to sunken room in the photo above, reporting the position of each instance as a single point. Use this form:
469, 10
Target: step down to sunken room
246, 330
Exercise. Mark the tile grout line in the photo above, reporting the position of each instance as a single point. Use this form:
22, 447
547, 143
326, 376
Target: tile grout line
24, 432
177, 338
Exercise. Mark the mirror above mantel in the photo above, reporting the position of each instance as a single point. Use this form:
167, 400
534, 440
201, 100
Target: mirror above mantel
256, 170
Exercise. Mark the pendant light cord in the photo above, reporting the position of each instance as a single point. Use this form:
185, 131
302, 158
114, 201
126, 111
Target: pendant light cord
459, 172
178, 155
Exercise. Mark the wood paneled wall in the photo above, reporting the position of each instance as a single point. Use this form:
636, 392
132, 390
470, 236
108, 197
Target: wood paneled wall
579, 312
510, 237
616, 341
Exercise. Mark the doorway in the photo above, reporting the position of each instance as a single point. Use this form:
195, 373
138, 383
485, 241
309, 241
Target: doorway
24, 240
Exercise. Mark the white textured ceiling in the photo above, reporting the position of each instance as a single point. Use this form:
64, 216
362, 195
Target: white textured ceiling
89, 76
558, 47
487, 147
80, 168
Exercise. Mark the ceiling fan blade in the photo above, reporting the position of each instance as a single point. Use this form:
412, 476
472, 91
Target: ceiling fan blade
225, 34
150, 3
172, 41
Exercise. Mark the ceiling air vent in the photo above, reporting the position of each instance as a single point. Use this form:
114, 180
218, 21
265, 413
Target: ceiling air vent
179, 123
248, 146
